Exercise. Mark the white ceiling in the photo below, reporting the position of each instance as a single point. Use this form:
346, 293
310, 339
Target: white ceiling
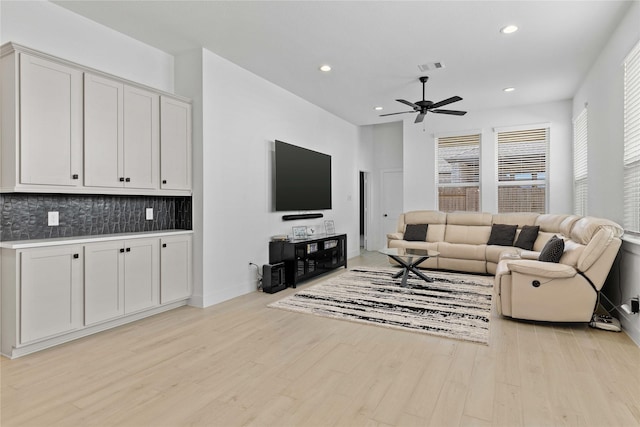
375, 47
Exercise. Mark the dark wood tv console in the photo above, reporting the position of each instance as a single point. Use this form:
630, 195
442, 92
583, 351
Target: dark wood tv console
310, 257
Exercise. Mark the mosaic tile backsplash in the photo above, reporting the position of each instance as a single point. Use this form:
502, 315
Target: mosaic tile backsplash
24, 216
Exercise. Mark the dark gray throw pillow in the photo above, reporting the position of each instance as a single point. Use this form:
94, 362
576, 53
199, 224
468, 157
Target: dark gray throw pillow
416, 232
502, 234
527, 237
552, 251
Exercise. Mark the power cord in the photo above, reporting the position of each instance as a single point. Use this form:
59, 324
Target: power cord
258, 273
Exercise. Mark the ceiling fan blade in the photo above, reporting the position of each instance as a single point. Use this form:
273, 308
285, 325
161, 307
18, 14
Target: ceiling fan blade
420, 117
445, 102
452, 112
410, 104
392, 114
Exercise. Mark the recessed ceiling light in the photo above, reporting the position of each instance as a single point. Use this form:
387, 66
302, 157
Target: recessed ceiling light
326, 68
377, 108
509, 89
509, 29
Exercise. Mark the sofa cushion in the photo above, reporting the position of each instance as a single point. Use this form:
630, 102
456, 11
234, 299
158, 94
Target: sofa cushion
416, 232
502, 234
527, 237
515, 218
462, 251
552, 251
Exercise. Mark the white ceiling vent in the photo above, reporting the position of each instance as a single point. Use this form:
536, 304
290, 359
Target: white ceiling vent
429, 66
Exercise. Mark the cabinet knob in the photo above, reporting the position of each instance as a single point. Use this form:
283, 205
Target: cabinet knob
128, 249
74, 176
164, 181
121, 179
121, 250
164, 245
127, 179
76, 256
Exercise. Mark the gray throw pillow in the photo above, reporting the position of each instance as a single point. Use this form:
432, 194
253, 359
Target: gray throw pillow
527, 237
416, 232
552, 251
502, 234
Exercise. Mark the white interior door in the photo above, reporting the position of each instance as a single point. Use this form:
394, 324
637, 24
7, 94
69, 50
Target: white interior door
391, 203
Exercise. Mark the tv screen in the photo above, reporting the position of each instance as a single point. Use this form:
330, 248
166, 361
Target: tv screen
302, 179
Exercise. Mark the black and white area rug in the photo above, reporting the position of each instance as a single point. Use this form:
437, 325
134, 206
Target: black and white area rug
453, 305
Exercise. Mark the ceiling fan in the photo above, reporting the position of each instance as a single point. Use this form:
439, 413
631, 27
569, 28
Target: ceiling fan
424, 106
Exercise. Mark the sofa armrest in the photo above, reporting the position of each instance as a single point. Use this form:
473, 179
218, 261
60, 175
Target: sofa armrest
549, 270
533, 255
395, 236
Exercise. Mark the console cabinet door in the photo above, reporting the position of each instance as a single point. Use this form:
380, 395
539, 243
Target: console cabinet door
175, 144
50, 123
50, 291
104, 281
175, 268
103, 132
141, 270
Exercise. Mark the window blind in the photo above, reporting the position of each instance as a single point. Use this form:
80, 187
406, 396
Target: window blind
580, 138
458, 173
632, 140
522, 170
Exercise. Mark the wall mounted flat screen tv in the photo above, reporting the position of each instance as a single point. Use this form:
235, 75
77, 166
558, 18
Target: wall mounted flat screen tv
302, 179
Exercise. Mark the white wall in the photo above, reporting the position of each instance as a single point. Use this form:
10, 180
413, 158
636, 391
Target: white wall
242, 114
420, 190
603, 91
51, 29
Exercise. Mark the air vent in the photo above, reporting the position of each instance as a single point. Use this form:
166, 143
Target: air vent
431, 66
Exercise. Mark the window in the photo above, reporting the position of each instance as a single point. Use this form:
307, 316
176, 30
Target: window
580, 189
458, 173
632, 140
522, 170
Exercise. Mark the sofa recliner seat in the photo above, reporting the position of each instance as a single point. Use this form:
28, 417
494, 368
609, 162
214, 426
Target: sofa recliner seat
524, 287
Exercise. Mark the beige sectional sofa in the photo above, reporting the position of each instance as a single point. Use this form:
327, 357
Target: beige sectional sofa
525, 287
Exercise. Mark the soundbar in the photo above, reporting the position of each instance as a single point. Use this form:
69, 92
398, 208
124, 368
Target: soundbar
301, 216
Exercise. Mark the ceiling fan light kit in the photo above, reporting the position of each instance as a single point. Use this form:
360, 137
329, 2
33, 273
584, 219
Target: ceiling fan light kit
424, 106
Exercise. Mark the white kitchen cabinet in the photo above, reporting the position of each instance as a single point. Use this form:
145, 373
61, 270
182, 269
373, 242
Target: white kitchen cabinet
175, 268
175, 144
121, 277
121, 134
104, 282
50, 292
41, 123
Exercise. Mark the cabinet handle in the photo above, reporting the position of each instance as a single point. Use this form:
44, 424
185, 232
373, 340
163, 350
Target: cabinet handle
121, 250
164, 245
74, 176
122, 179
76, 256
127, 179
164, 181
128, 249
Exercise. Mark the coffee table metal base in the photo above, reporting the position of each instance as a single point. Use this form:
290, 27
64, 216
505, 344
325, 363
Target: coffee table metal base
410, 265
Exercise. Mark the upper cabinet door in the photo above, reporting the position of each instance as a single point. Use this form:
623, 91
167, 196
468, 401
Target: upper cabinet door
50, 123
141, 138
175, 144
103, 132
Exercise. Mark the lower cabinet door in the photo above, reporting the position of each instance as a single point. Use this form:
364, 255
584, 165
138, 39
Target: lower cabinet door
104, 281
50, 291
141, 282
175, 268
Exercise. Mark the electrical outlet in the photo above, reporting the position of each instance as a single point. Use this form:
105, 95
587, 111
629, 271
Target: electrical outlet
149, 214
53, 218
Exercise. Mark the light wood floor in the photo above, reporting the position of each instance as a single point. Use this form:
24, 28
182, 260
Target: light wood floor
241, 363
